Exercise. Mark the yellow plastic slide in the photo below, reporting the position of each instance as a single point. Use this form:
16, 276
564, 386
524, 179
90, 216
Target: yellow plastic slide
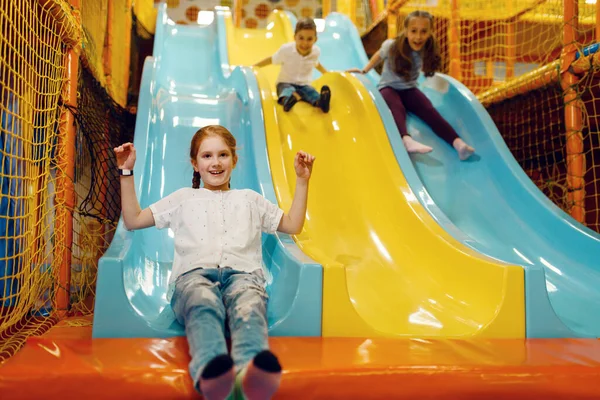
389, 268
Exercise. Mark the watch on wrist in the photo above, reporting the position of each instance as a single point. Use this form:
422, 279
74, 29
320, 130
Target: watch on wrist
126, 172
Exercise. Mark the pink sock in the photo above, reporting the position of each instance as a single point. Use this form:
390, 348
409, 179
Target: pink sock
412, 146
217, 379
464, 150
262, 377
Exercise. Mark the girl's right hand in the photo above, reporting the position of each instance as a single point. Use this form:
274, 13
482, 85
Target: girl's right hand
125, 156
351, 70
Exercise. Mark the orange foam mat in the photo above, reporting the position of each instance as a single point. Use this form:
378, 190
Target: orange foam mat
66, 363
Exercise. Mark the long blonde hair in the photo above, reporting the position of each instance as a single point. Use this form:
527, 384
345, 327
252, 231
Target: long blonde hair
400, 52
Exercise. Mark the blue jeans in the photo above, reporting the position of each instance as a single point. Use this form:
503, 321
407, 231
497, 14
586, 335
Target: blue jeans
307, 93
202, 301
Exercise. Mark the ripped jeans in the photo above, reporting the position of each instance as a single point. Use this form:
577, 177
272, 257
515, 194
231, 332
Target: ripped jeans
205, 298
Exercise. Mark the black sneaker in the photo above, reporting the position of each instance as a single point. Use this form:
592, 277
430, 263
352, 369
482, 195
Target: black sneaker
324, 99
289, 102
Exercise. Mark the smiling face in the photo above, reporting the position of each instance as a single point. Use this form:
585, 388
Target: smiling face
215, 161
418, 31
305, 39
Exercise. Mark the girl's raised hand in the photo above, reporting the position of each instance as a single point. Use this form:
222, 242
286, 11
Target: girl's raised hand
355, 70
125, 156
303, 163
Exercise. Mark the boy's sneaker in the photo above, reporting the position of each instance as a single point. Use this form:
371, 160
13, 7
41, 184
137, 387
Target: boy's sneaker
289, 102
324, 99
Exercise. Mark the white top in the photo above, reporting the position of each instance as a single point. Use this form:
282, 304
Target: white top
216, 228
295, 68
389, 78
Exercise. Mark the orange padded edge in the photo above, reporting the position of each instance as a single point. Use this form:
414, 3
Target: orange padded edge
66, 362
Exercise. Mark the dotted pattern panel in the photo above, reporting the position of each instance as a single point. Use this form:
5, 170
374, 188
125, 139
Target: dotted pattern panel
254, 12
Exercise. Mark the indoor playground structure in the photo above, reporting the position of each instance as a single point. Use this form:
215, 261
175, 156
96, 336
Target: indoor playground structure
416, 276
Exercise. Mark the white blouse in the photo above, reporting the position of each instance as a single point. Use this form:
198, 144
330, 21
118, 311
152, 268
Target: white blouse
216, 228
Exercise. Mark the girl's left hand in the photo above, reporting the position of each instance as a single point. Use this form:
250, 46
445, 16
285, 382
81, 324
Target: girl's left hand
303, 163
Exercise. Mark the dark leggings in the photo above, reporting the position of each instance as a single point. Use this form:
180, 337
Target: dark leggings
414, 101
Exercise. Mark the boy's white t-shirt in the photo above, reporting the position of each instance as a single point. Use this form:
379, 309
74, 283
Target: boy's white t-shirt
216, 228
295, 68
